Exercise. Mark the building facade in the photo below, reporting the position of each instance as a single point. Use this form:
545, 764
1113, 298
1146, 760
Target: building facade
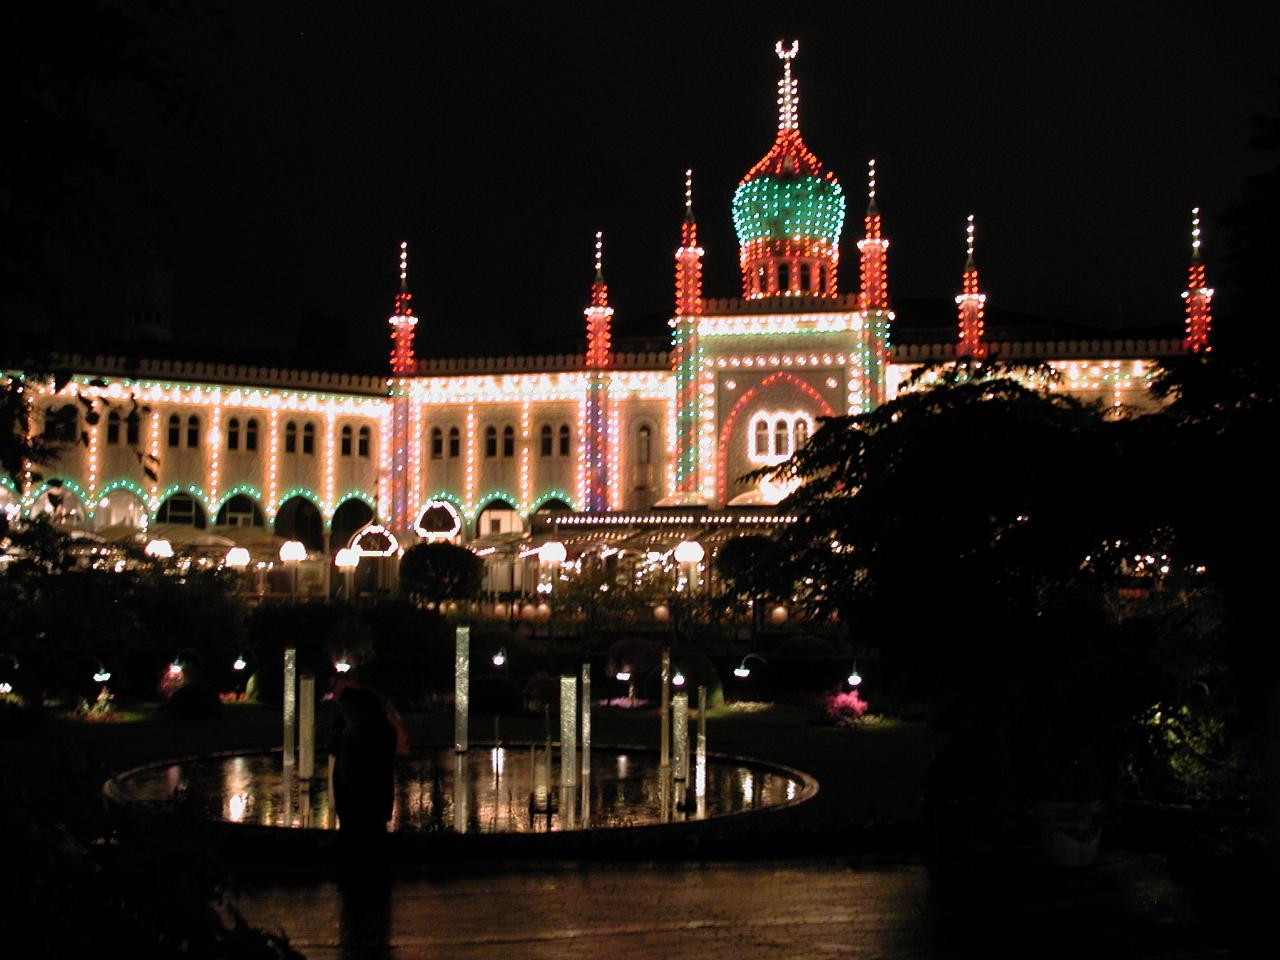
474, 449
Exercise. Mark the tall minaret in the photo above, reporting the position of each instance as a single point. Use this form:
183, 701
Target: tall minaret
684, 348
873, 249
1199, 297
972, 303
402, 322
599, 358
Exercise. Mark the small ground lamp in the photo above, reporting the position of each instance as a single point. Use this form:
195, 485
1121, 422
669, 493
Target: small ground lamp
855, 678
159, 549
102, 674
742, 671
342, 665
346, 560
5, 685
678, 679
293, 552
240, 663
500, 657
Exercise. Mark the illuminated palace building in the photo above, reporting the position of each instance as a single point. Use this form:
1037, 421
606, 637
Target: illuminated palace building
489, 451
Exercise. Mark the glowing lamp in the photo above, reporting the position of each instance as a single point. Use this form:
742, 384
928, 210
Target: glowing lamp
160, 549
500, 657
742, 672
552, 551
662, 613
6, 687
239, 664
345, 559
237, 558
689, 551
102, 675
778, 614
623, 675
175, 669
293, 551
678, 679
342, 666
855, 678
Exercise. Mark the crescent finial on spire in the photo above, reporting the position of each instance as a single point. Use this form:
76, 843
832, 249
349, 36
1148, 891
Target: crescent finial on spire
788, 96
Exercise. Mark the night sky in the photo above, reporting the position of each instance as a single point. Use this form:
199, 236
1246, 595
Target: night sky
496, 139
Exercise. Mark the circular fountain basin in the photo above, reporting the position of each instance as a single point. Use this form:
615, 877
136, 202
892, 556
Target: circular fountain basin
488, 790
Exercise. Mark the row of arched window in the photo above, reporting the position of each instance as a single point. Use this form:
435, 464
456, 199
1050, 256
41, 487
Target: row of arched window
131, 423
551, 442
296, 440
803, 277
781, 438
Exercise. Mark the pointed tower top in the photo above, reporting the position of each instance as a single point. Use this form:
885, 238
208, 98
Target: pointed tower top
871, 186
688, 195
969, 264
788, 95
404, 266
1195, 234
599, 256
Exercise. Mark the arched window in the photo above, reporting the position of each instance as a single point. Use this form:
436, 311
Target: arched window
781, 439
455, 443
546, 441
802, 432
564, 439
193, 431
508, 441
181, 508
131, 423
644, 445
175, 430
437, 443
490, 441
233, 434
113, 427
309, 438
251, 435
762, 438
345, 440
806, 277
290, 437
784, 277
362, 442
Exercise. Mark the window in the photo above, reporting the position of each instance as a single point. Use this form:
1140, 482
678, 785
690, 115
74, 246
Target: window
564, 439
508, 441
437, 443
113, 427
183, 509
290, 437
60, 424
193, 431
802, 432
345, 442
781, 439
784, 277
455, 443
644, 445
362, 442
131, 424
233, 434
546, 441
251, 435
761, 439
309, 438
490, 441
806, 277
175, 430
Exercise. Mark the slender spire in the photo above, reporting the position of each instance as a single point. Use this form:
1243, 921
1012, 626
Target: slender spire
788, 93
872, 250
1198, 296
972, 304
688, 196
599, 334
872, 210
403, 321
599, 291
688, 258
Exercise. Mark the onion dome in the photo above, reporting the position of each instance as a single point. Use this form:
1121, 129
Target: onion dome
788, 211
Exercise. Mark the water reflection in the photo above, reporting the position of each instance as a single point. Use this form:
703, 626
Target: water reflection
492, 790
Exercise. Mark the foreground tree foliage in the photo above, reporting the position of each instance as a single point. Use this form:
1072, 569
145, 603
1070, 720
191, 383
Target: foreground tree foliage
436, 572
1050, 572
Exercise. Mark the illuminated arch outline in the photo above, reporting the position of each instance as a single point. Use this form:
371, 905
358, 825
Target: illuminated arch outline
726, 432
435, 535
377, 529
551, 495
190, 488
366, 499
246, 489
30, 500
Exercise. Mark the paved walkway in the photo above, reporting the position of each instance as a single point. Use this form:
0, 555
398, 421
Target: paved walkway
1120, 908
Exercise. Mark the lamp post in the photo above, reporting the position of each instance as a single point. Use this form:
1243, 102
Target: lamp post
742, 671
690, 553
855, 678
159, 549
237, 559
346, 560
293, 552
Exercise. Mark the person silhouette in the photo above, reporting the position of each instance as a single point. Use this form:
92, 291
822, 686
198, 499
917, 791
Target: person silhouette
363, 744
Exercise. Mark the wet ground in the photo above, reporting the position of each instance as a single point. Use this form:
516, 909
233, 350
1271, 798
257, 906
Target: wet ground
1123, 907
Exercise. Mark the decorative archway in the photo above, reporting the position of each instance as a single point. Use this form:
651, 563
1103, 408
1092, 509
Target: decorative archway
726, 432
438, 520
498, 515
240, 510
182, 508
352, 515
300, 519
121, 504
